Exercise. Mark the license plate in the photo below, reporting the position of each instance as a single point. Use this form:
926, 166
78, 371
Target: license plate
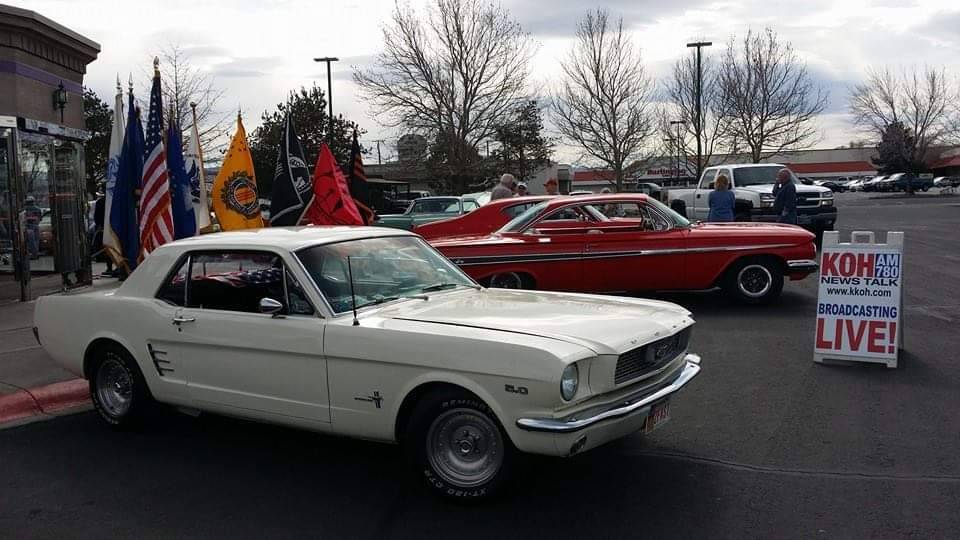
659, 415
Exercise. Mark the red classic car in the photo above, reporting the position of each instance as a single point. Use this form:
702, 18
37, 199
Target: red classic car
484, 220
629, 243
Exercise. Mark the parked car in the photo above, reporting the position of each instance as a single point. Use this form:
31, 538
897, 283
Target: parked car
427, 210
873, 184
630, 243
946, 181
835, 186
753, 185
904, 181
484, 220
368, 332
855, 184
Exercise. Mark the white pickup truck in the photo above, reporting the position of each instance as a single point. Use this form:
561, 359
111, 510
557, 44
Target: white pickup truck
753, 185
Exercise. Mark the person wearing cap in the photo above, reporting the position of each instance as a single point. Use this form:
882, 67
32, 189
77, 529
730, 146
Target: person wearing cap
504, 189
522, 190
551, 186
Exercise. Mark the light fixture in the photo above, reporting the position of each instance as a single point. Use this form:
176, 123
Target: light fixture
60, 99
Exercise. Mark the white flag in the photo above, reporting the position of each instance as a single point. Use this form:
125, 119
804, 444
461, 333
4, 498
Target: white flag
194, 164
110, 241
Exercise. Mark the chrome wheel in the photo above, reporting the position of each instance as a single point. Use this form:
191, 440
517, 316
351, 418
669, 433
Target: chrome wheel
114, 387
464, 447
754, 280
507, 280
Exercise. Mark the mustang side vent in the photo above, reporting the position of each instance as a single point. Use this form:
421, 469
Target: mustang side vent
160, 361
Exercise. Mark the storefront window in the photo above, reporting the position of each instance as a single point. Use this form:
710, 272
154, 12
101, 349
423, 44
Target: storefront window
36, 166
6, 203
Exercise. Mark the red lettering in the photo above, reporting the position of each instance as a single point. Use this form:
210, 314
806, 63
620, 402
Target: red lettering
865, 264
855, 337
847, 264
822, 342
877, 337
828, 264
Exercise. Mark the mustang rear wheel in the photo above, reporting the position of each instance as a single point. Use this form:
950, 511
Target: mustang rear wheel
117, 389
755, 281
458, 447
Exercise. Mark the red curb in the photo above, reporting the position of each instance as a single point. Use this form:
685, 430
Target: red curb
47, 399
62, 395
16, 406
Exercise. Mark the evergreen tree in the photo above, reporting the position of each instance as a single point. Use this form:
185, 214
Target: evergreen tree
522, 146
98, 120
308, 106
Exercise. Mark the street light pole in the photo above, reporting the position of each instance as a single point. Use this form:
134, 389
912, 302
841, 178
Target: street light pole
698, 127
328, 60
678, 123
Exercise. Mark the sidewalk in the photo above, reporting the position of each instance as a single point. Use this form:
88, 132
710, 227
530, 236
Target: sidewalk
31, 383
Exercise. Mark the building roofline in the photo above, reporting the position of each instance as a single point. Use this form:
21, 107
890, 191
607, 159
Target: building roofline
38, 18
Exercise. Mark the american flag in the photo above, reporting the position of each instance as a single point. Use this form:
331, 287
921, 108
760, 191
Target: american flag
156, 216
244, 278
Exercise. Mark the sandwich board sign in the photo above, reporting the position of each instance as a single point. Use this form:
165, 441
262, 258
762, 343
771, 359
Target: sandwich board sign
860, 300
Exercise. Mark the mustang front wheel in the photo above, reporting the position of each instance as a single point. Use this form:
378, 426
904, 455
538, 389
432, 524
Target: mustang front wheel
755, 281
117, 389
458, 446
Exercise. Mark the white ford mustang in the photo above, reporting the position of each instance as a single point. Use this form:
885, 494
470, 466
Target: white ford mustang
370, 333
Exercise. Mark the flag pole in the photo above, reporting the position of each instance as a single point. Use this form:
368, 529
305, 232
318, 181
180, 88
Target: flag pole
204, 203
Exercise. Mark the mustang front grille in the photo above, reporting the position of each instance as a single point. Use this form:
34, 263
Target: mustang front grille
650, 357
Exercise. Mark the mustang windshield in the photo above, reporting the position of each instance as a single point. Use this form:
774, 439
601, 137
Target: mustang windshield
384, 269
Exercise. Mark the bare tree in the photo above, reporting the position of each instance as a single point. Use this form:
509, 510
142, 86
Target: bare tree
182, 84
604, 104
769, 97
719, 141
922, 100
451, 74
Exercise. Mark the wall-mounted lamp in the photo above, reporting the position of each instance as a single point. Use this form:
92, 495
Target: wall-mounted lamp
60, 99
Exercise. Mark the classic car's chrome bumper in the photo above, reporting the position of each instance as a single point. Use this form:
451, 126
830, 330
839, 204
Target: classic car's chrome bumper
802, 265
628, 406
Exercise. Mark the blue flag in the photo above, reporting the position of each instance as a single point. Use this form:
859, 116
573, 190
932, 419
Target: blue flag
184, 218
123, 211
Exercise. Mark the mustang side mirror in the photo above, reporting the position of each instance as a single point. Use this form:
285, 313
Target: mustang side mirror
270, 306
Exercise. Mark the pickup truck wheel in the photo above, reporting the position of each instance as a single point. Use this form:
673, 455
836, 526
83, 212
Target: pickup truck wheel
755, 281
117, 389
458, 447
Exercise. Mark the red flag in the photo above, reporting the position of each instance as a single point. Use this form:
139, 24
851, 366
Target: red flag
332, 203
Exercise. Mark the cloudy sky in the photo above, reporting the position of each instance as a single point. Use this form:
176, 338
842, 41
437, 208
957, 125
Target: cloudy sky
257, 50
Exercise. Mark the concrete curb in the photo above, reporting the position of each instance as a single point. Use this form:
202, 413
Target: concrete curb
52, 399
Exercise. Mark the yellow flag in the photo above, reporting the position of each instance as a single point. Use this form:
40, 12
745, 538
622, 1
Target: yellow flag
235, 198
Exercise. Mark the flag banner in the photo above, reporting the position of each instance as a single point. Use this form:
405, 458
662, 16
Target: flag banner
359, 189
111, 243
156, 216
181, 202
292, 188
235, 198
195, 172
332, 203
123, 210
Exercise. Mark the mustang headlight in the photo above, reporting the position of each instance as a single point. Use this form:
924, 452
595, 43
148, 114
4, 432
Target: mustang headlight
569, 382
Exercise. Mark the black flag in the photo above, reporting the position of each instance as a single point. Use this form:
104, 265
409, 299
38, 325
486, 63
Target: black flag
357, 183
292, 185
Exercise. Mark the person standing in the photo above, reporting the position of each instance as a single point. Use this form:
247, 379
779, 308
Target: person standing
522, 190
99, 209
722, 201
551, 186
785, 202
33, 215
504, 189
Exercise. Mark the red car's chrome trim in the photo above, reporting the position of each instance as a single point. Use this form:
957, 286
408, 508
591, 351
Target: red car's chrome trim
530, 257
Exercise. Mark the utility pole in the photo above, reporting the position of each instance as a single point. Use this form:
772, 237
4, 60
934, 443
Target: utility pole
678, 123
378, 141
328, 60
698, 126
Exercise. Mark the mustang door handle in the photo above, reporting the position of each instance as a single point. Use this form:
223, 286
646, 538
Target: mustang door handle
180, 319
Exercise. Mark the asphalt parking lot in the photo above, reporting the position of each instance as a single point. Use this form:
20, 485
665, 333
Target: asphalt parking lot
763, 444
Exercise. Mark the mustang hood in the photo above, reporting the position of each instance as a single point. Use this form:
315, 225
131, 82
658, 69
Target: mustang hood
607, 325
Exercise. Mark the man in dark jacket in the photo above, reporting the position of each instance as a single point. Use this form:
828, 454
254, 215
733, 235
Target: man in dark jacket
785, 204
